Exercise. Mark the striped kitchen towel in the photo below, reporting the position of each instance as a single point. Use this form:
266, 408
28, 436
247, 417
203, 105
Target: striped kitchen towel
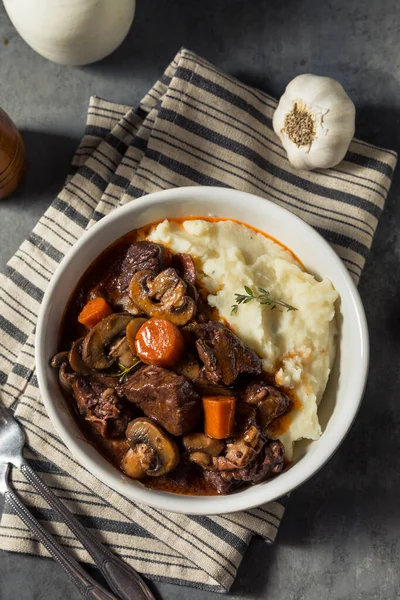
198, 126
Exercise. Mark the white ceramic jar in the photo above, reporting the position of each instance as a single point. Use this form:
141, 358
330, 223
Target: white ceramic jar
72, 32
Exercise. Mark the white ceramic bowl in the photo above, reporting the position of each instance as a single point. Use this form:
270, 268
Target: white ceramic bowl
342, 397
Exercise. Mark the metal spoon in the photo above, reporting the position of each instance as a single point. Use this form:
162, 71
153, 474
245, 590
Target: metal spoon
122, 579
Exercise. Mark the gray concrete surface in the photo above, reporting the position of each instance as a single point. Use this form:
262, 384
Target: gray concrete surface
340, 537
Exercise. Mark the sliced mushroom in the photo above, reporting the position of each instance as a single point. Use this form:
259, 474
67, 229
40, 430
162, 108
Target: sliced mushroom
242, 450
131, 330
60, 362
58, 359
122, 352
135, 257
152, 451
137, 462
189, 367
75, 358
252, 436
200, 458
63, 380
163, 295
200, 442
192, 292
96, 345
239, 453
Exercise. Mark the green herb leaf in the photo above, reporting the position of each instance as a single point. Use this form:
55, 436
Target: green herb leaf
262, 291
264, 298
124, 371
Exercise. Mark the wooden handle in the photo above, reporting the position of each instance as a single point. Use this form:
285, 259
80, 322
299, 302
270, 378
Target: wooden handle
12, 156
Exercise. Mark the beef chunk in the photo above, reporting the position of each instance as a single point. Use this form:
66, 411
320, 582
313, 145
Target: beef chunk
108, 381
190, 367
270, 402
224, 355
206, 387
165, 396
205, 312
217, 479
101, 406
269, 462
139, 256
184, 265
245, 416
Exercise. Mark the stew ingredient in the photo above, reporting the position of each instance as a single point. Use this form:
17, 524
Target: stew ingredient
94, 311
219, 416
171, 396
159, 342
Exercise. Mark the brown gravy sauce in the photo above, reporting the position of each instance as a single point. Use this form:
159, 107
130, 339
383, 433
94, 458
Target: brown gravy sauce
186, 478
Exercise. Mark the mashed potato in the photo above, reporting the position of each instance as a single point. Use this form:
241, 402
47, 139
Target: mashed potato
298, 347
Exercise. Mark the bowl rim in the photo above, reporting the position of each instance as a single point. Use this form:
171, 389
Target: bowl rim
204, 505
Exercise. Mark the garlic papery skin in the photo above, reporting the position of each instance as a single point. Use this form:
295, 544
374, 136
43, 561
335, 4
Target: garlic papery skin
315, 121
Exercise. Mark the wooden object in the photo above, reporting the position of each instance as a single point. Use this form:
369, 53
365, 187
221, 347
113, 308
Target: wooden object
12, 156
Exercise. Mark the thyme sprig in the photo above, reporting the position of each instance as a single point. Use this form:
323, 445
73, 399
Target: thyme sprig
264, 297
124, 371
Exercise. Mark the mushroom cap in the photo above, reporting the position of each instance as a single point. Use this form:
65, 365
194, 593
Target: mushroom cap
131, 330
164, 449
58, 359
75, 357
96, 343
121, 350
200, 442
189, 367
65, 384
163, 296
200, 458
134, 462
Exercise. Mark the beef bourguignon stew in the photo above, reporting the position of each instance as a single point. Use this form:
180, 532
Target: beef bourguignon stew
158, 384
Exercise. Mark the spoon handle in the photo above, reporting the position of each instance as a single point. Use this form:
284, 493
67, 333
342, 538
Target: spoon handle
121, 578
87, 586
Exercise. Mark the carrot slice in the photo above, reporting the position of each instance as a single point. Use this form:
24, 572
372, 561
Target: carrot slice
219, 416
159, 342
94, 311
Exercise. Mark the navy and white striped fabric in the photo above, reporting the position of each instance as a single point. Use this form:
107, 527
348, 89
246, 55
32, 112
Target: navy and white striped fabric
200, 126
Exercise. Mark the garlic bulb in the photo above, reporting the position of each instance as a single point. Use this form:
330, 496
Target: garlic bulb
315, 121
